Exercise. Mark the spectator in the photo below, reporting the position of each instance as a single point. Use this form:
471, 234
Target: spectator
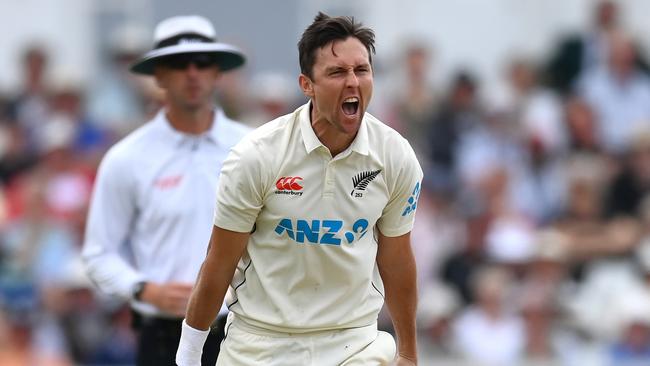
536, 111
459, 114
413, 104
437, 307
36, 250
89, 139
120, 100
30, 107
578, 54
489, 332
632, 347
581, 126
24, 114
540, 295
619, 95
632, 182
273, 94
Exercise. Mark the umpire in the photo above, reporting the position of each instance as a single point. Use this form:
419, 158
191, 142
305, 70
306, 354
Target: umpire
153, 201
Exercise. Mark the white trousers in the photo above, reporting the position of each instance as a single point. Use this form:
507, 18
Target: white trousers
246, 345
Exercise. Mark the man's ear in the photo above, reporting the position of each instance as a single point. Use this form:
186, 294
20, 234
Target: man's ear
306, 85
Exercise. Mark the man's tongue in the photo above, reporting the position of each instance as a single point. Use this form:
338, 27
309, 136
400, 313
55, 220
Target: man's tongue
350, 108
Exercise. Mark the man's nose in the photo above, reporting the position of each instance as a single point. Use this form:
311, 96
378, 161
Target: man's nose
351, 80
192, 69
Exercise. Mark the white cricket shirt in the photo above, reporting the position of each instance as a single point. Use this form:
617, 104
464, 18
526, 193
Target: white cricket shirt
310, 263
151, 212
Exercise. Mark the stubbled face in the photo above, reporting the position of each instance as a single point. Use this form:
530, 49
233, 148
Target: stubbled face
340, 87
190, 87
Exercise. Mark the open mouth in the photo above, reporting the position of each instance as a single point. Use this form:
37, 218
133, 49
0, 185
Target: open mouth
350, 106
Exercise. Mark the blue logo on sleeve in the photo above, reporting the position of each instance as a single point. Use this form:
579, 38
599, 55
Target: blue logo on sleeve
321, 231
412, 202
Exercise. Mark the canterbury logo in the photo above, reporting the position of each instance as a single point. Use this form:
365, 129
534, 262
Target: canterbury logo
360, 181
288, 184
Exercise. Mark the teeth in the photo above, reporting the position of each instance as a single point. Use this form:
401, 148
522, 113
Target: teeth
351, 100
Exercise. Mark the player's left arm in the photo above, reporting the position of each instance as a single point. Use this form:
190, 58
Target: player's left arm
397, 268
403, 176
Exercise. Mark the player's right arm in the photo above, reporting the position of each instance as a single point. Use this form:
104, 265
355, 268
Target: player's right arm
225, 249
239, 199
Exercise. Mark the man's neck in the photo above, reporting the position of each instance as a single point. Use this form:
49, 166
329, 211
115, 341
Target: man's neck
195, 122
335, 141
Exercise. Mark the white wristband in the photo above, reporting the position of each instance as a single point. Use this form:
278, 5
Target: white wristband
190, 347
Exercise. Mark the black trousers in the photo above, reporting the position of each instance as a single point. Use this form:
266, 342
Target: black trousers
158, 340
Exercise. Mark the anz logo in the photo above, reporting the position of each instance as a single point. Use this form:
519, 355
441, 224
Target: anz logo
321, 231
412, 202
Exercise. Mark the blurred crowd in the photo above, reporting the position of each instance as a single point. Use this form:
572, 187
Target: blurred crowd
532, 235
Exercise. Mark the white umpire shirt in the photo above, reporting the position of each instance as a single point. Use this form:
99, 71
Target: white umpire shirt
310, 263
151, 213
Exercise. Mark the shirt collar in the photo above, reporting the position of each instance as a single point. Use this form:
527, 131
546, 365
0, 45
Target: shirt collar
311, 141
215, 134
308, 135
217, 131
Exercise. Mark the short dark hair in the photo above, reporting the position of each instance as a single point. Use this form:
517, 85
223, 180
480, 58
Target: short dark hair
326, 29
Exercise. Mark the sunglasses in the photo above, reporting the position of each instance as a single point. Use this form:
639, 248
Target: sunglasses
182, 62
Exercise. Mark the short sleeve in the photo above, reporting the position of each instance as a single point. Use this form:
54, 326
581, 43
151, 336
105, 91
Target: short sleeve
240, 191
404, 182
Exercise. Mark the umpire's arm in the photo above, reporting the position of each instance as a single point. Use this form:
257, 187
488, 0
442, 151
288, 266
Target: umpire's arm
397, 268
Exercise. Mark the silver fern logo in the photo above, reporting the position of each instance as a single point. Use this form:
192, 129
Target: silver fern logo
360, 181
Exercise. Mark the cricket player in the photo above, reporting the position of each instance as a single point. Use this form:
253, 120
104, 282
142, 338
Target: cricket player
312, 223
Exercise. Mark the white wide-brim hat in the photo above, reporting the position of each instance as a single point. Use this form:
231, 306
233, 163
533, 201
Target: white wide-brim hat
188, 34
